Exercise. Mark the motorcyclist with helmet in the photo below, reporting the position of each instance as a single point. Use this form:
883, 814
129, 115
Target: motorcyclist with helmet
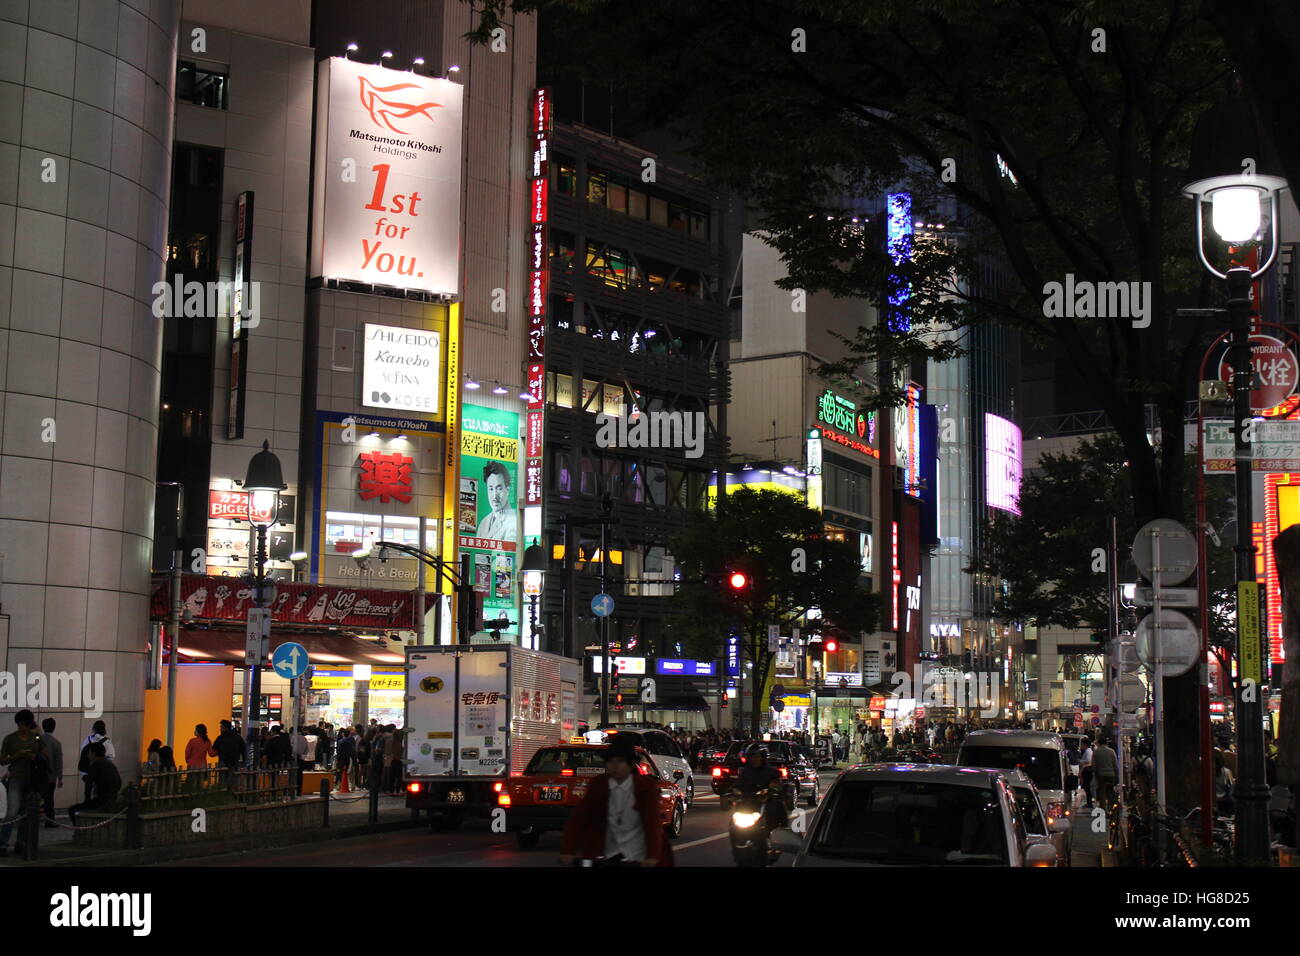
757, 774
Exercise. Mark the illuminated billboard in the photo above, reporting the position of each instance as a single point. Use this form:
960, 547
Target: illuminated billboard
1002, 457
387, 199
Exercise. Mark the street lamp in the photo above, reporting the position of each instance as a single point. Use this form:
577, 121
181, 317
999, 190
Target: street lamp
534, 571
1235, 170
263, 484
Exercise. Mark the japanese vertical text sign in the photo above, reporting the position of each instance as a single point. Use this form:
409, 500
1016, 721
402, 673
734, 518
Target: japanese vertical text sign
487, 518
387, 201
539, 271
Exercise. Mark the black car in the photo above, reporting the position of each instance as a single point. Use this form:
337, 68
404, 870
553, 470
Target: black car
793, 761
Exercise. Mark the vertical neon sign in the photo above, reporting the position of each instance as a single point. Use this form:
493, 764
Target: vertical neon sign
898, 234
539, 271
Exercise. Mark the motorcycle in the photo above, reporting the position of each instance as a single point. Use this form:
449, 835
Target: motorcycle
750, 828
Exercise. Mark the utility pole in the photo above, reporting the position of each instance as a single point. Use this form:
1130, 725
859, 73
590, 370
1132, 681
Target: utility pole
606, 507
1250, 791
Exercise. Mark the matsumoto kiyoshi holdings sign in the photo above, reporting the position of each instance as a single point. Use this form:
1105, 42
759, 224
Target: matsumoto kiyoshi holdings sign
400, 368
387, 197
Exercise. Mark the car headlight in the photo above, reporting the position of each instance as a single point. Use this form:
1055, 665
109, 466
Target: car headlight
745, 819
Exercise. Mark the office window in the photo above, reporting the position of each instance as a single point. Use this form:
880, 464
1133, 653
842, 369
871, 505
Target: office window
566, 177
677, 219
659, 211
597, 186
633, 484
200, 85
586, 474
699, 224
636, 204
617, 197
563, 472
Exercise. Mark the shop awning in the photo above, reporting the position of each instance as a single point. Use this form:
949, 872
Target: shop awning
226, 646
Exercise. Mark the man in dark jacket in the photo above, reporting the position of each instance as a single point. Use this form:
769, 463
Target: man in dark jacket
618, 820
279, 749
230, 747
105, 782
344, 751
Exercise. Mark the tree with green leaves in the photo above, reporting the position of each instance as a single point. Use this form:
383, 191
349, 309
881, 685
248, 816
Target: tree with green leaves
1049, 138
1048, 554
790, 566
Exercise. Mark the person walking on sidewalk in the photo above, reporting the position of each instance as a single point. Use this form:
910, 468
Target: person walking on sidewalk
55, 751
23, 753
618, 822
1085, 771
1105, 768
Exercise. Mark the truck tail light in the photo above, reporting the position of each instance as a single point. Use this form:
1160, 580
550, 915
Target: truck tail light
414, 787
497, 787
503, 800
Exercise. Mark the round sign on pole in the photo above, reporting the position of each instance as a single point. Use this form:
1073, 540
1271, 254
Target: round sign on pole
1177, 552
602, 605
1274, 371
1173, 637
289, 660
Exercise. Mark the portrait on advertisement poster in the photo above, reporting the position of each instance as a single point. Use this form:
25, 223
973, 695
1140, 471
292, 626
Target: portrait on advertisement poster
500, 523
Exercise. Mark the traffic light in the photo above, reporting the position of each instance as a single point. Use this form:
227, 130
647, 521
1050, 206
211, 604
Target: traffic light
830, 647
738, 581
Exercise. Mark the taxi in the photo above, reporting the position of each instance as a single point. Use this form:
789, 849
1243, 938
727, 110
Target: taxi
543, 795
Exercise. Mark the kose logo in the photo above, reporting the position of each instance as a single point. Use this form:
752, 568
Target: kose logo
384, 109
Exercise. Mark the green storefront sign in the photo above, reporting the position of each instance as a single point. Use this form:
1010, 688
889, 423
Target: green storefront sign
488, 514
843, 415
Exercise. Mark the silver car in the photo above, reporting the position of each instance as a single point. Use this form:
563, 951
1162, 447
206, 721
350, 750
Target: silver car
1039, 753
916, 815
1040, 827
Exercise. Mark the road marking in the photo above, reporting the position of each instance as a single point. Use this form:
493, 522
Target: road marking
677, 847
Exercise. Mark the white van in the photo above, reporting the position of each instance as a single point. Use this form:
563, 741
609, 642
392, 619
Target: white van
663, 750
1039, 753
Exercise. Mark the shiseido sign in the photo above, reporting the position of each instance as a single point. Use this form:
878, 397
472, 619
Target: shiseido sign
387, 198
400, 368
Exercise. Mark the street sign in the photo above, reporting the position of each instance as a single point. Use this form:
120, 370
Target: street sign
1177, 551
773, 638
778, 704
1126, 654
257, 631
1169, 597
1274, 368
1095, 709
1274, 446
1248, 630
1132, 692
289, 660
602, 605
1178, 643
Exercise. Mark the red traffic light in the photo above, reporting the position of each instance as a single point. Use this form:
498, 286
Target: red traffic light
738, 580
831, 647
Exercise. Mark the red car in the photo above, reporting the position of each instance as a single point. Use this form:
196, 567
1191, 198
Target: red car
555, 781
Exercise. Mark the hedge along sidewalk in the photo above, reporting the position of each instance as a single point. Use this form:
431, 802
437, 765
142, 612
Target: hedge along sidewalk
348, 814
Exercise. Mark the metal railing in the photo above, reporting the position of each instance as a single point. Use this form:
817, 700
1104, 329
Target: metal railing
160, 789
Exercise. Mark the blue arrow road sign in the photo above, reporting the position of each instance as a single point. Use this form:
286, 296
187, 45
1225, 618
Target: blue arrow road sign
290, 660
602, 605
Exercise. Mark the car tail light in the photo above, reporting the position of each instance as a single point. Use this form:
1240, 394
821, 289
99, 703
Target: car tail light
717, 771
414, 787
516, 773
566, 773
498, 787
784, 772
503, 800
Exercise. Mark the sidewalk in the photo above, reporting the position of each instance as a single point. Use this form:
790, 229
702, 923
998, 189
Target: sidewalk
348, 816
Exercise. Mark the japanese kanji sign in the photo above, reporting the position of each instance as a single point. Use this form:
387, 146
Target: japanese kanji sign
1274, 369
384, 476
1274, 445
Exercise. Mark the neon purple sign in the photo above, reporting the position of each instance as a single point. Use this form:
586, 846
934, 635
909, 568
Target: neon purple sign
1002, 464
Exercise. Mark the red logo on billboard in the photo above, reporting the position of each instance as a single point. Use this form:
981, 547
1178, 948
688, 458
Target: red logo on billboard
385, 477
383, 110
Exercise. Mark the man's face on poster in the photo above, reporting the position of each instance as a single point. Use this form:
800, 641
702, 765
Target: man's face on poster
498, 490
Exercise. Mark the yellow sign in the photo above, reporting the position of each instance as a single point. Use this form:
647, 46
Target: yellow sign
388, 682
795, 700
1248, 649
378, 681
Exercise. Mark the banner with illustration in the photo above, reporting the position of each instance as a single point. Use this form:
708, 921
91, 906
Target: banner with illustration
488, 516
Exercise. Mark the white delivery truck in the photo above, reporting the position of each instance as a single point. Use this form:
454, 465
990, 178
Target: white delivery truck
475, 713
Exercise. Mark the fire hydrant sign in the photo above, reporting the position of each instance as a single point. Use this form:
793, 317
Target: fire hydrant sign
387, 199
